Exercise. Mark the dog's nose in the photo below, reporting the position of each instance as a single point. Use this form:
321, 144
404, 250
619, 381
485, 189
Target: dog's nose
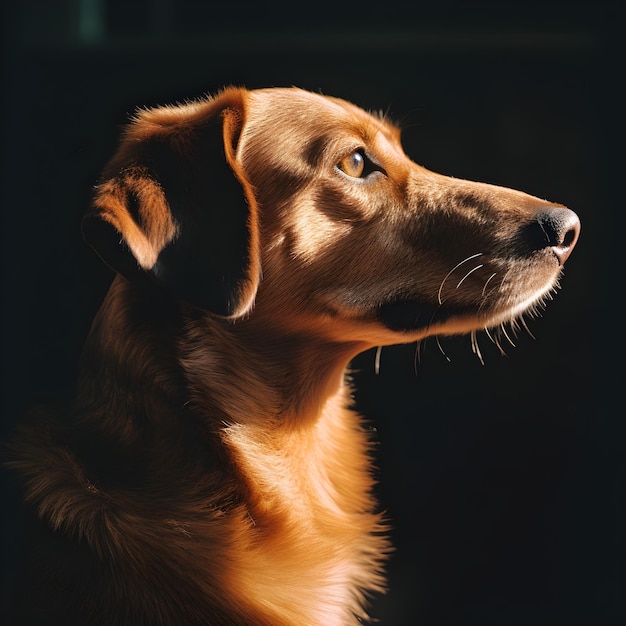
561, 228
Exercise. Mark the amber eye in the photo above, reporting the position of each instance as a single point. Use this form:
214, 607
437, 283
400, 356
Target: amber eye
353, 164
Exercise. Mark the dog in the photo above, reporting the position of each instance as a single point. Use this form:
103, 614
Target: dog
210, 469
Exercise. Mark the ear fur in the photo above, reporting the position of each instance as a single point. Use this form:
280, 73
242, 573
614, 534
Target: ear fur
174, 203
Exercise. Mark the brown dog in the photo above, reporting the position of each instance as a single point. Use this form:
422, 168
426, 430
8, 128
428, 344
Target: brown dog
209, 470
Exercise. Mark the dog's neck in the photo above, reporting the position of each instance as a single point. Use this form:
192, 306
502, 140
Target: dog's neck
247, 371
282, 378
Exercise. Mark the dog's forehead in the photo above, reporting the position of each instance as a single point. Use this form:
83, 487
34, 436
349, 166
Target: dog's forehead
310, 114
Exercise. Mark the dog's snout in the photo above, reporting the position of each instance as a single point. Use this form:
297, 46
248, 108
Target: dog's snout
559, 228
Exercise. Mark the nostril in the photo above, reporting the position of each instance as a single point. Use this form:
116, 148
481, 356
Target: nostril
570, 237
560, 228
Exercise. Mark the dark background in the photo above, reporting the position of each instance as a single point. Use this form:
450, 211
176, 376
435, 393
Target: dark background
504, 481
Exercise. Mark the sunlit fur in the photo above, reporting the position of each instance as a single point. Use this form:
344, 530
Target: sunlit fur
210, 470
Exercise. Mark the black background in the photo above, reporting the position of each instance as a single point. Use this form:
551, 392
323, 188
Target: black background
504, 481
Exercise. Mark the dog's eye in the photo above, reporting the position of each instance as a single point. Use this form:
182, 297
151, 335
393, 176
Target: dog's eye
358, 165
353, 164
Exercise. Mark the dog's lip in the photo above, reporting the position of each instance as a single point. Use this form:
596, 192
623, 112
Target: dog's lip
405, 315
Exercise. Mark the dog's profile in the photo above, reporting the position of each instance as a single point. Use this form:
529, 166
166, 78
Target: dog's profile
210, 470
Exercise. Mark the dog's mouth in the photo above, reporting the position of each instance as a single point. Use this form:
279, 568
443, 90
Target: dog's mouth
406, 315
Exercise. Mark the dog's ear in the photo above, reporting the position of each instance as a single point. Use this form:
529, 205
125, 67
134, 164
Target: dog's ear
174, 203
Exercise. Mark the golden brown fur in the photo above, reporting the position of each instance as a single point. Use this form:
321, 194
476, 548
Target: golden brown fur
210, 470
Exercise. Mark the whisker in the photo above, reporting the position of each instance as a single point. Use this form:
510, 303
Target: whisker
525, 325
495, 341
499, 346
475, 347
379, 350
433, 316
468, 273
489, 335
418, 355
506, 334
504, 278
469, 258
488, 280
442, 350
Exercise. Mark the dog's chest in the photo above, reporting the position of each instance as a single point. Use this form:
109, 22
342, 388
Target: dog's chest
313, 542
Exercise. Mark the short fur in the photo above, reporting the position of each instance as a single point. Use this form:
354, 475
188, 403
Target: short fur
210, 470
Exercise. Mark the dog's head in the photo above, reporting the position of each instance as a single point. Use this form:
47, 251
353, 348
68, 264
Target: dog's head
305, 209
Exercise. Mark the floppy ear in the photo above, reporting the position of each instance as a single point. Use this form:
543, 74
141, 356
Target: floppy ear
174, 203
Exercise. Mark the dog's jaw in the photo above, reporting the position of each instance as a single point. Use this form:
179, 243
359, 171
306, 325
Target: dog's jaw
415, 320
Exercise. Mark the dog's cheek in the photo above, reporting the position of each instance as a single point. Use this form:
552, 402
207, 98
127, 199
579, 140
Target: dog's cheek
314, 236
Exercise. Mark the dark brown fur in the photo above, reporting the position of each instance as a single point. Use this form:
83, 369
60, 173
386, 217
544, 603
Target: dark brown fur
210, 470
